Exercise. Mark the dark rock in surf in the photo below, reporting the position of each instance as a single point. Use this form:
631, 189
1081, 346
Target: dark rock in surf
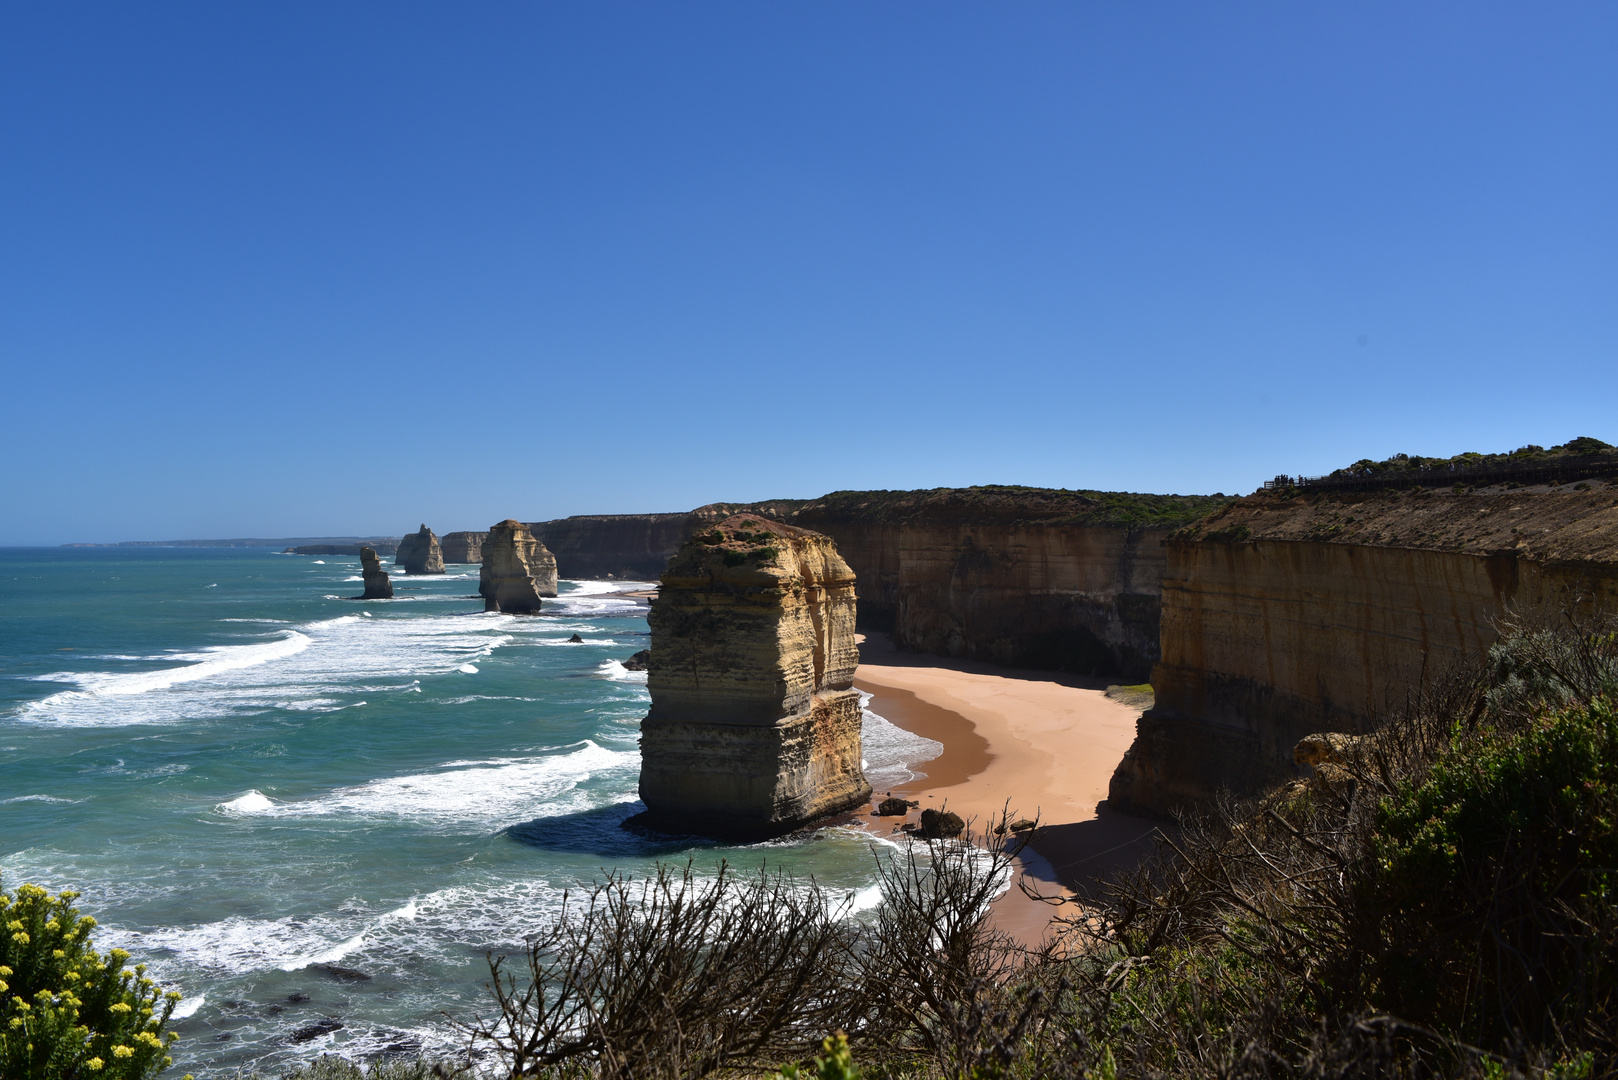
341, 974
892, 807
575, 640
639, 661
315, 1030
378, 586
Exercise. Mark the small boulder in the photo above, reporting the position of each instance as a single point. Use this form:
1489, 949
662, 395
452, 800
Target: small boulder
941, 824
575, 640
1325, 748
341, 974
639, 661
892, 807
315, 1030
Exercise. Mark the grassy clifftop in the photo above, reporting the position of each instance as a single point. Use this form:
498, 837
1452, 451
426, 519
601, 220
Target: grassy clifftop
1009, 504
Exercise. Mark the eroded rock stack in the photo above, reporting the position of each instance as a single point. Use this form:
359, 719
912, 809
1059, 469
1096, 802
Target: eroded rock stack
517, 570
419, 553
464, 547
754, 727
378, 586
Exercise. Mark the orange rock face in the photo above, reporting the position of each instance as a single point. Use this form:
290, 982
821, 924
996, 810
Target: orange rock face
1284, 617
754, 727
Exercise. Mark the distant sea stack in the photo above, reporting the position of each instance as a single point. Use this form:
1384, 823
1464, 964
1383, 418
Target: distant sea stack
419, 553
754, 726
464, 547
517, 570
378, 586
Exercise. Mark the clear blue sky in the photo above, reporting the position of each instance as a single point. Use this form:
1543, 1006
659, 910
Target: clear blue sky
291, 269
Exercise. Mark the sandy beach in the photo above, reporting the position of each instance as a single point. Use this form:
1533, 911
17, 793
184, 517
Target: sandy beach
1043, 744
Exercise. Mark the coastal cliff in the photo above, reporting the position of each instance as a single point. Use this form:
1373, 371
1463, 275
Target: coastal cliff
1027, 577
378, 586
633, 547
463, 547
1289, 613
517, 570
419, 553
754, 726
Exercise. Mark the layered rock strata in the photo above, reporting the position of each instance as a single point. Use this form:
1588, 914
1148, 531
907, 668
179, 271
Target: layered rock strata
1287, 615
754, 726
378, 586
463, 547
419, 553
1026, 577
517, 570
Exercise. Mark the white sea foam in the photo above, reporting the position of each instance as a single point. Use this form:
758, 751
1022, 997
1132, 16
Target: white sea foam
486, 795
189, 1006
320, 562
35, 798
615, 670
468, 669
891, 752
300, 668
253, 802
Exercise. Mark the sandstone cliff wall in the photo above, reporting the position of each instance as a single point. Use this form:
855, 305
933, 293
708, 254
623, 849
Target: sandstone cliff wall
463, 547
1286, 616
633, 547
517, 570
754, 726
1026, 577
420, 553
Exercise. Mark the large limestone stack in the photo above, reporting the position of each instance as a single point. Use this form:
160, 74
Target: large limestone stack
754, 727
419, 553
464, 547
517, 570
378, 586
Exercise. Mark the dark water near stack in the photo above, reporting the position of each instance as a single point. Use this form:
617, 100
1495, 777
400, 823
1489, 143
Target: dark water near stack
253, 780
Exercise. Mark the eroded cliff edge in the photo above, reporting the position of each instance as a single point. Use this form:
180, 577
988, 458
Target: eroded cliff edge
420, 553
517, 570
1288, 614
1028, 577
754, 726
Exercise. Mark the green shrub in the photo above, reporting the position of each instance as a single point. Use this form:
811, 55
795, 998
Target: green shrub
66, 1011
1485, 871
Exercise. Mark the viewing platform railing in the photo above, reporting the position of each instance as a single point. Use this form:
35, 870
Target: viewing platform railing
1561, 470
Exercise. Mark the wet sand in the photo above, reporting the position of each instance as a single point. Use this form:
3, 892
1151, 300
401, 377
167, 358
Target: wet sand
1034, 743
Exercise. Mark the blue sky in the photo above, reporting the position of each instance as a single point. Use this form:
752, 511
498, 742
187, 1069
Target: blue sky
308, 269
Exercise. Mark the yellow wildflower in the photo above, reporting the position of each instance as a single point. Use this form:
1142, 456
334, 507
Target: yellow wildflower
20, 938
118, 1007
58, 954
122, 1052
94, 1064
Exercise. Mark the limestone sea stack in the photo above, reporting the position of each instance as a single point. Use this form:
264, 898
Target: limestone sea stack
464, 547
378, 586
419, 553
517, 570
754, 727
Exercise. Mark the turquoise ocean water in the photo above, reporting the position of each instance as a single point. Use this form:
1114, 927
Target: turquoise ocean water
253, 780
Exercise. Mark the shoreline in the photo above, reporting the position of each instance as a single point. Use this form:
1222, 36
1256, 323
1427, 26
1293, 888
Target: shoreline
1033, 742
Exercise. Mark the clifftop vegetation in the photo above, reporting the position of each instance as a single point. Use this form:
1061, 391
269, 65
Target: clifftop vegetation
1011, 504
1523, 455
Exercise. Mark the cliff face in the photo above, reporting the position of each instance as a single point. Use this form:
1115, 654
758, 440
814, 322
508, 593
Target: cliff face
1027, 577
517, 570
1284, 616
419, 553
754, 726
378, 586
464, 547
633, 547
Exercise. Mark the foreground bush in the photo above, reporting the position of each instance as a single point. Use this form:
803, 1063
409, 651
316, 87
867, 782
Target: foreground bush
67, 1012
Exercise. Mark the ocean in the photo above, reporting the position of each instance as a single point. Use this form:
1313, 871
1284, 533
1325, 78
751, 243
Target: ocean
297, 807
